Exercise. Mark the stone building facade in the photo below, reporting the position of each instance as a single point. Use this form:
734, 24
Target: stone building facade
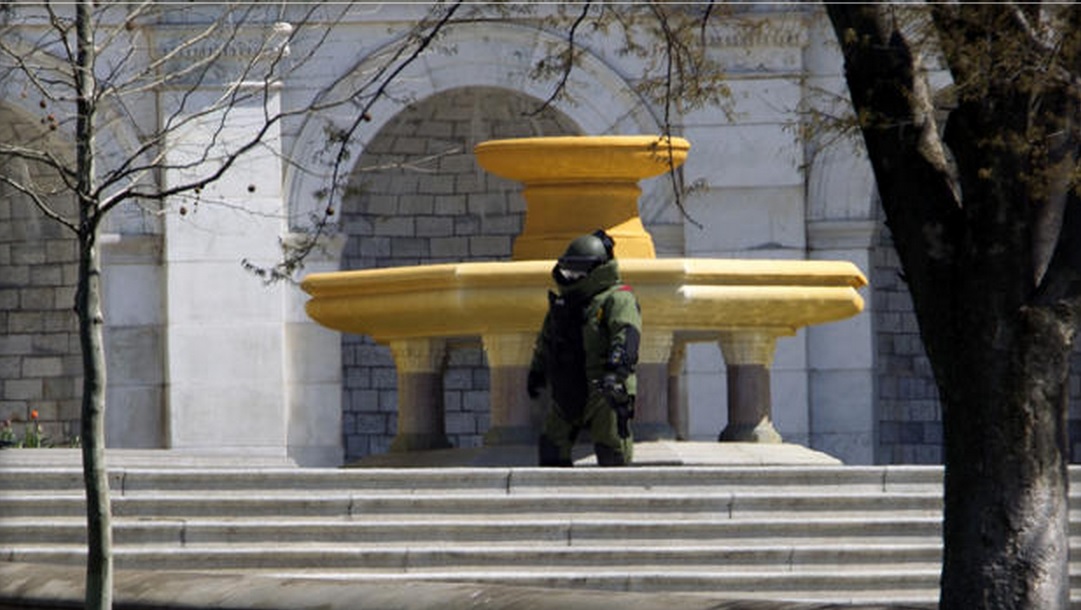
204, 357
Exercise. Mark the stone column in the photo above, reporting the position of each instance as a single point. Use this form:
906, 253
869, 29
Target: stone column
651, 420
421, 422
747, 356
515, 418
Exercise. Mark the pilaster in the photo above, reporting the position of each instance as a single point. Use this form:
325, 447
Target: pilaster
313, 372
225, 345
132, 282
841, 356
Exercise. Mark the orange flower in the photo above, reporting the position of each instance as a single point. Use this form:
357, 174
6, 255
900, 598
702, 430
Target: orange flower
34, 414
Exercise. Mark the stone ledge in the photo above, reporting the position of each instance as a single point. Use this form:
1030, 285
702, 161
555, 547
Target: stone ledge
146, 458
49, 586
647, 453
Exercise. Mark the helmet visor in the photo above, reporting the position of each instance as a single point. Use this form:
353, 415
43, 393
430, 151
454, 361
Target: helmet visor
570, 276
579, 264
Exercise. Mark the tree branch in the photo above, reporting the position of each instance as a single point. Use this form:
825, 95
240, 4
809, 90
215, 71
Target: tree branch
567, 59
1062, 281
39, 202
422, 36
669, 57
122, 181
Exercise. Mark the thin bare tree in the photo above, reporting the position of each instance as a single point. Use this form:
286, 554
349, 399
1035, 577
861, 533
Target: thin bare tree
92, 64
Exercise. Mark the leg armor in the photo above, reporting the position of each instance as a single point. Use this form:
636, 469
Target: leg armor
607, 456
549, 454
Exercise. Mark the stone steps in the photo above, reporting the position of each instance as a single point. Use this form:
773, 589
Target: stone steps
352, 506
652, 532
815, 533
505, 558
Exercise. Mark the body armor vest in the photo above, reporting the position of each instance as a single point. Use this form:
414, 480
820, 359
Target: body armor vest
565, 362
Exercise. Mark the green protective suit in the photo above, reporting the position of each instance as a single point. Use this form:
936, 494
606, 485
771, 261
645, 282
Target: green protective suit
590, 373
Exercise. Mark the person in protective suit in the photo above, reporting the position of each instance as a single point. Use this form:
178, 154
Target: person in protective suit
586, 354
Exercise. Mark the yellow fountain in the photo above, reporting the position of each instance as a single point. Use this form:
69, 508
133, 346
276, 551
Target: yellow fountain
573, 185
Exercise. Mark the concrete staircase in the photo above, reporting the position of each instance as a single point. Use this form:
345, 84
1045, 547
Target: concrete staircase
810, 533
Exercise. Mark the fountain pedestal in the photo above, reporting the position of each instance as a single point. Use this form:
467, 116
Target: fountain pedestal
573, 185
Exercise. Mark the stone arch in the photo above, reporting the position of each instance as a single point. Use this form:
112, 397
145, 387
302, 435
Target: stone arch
118, 135
841, 185
440, 207
497, 55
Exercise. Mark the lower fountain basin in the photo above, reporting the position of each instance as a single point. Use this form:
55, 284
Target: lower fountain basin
679, 295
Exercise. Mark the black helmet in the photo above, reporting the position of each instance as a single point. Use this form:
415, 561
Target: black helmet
585, 254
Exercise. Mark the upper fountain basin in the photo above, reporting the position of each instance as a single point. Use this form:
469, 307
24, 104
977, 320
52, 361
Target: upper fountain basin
577, 158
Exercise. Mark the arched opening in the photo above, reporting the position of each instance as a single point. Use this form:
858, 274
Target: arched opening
416, 197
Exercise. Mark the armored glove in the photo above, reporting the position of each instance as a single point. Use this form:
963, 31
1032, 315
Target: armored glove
615, 391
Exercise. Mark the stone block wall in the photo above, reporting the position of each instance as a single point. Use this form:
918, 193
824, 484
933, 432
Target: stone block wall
909, 415
419, 198
40, 365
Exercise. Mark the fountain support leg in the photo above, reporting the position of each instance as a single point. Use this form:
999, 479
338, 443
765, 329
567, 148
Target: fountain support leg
513, 419
677, 407
651, 420
421, 422
747, 356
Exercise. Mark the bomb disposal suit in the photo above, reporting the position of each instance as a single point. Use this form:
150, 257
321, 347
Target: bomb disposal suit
586, 354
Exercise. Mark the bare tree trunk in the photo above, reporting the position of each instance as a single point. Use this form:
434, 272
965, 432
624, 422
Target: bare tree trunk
99, 566
999, 354
1006, 515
